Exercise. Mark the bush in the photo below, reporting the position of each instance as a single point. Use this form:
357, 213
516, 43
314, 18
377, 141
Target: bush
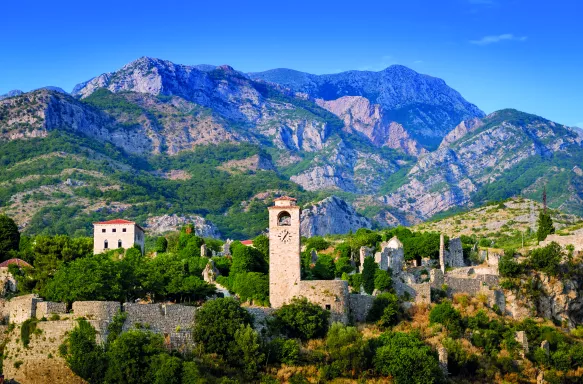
343, 265
324, 268
249, 354
302, 319
26, 330
347, 349
318, 243
547, 259
216, 323
383, 280
286, 351
444, 313
252, 286
407, 359
385, 310
83, 355
161, 244
508, 267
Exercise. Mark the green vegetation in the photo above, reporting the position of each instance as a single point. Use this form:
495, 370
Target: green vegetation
9, 237
545, 226
301, 319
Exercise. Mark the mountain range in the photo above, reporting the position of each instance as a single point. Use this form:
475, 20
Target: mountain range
157, 138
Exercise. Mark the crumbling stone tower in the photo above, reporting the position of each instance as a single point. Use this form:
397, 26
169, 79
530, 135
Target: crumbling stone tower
284, 251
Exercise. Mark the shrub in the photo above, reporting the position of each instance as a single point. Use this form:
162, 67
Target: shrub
407, 359
252, 286
286, 351
302, 319
216, 324
444, 313
249, 354
385, 310
508, 267
383, 280
343, 265
83, 355
324, 268
161, 244
346, 348
318, 243
547, 259
27, 328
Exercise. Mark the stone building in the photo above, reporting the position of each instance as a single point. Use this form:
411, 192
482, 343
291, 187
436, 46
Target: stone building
118, 233
284, 265
7, 281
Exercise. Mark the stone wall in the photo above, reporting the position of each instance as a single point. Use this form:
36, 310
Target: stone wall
160, 318
103, 310
260, 315
22, 308
329, 294
48, 308
462, 285
359, 305
41, 362
455, 258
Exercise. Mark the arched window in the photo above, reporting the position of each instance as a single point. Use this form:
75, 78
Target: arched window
105, 245
119, 243
284, 219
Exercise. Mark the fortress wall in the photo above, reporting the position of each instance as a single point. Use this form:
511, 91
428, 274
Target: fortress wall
48, 308
22, 308
160, 318
91, 310
359, 306
329, 294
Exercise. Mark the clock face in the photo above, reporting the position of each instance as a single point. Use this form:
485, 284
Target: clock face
285, 236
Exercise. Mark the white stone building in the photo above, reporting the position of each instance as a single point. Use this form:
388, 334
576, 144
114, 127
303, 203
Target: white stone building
118, 233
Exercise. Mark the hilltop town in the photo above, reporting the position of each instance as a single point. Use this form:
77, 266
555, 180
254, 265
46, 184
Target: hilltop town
426, 284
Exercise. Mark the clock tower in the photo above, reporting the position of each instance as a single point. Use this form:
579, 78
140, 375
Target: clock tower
284, 251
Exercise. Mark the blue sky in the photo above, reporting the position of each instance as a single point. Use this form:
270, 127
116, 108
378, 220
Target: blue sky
498, 53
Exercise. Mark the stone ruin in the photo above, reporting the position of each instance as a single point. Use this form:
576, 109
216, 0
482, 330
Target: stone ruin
210, 272
453, 257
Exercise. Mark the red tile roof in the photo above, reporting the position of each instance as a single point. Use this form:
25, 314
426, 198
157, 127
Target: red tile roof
20, 263
247, 242
116, 221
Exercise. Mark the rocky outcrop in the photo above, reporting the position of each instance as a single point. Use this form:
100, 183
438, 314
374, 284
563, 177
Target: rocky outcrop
331, 216
360, 116
161, 224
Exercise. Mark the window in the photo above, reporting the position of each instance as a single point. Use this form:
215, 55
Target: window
328, 307
124, 230
113, 230
105, 245
119, 243
284, 219
103, 230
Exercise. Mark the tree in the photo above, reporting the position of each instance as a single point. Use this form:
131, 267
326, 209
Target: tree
368, 274
249, 354
385, 310
343, 265
216, 323
547, 259
9, 237
324, 268
261, 243
383, 280
166, 369
131, 356
444, 313
247, 259
405, 358
347, 349
252, 286
83, 355
301, 319
318, 243
545, 226
161, 244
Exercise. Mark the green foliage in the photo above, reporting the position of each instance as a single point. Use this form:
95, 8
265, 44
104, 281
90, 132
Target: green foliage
9, 237
347, 350
247, 259
547, 259
368, 274
252, 286
301, 319
27, 329
545, 226
114, 328
83, 355
161, 244
355, 281
385, 310
249, 355
261, 243
459, 361
318, 243
166, 369
216, 323
407, 359
383, 280
343, 265
286, 351
134, 351
509, 267
325, 268
444, 313
422, 244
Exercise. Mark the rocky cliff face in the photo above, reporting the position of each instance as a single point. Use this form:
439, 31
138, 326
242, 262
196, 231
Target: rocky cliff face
426, 107
161, 224
331, 216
